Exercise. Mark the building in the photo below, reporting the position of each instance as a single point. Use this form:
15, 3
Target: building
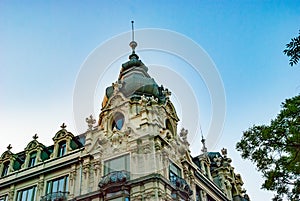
134, 152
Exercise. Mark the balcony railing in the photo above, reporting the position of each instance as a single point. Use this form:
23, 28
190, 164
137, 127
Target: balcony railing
56, 196
114, 177
181, 184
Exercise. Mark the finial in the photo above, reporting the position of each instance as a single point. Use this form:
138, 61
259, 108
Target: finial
132, 30
90, 121
9, 147
204, 149
224, 152
63, 126
35, 136
132, 44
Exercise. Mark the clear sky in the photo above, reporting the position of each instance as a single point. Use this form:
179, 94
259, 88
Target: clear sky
44, 43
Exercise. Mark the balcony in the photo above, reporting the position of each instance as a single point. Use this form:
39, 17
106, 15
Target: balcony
181, 185
114, 178
57, 196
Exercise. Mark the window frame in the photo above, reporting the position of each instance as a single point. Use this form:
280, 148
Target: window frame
107, 164
49, 185
21, 191
5, 169
32, 159
198, 193
172, 173
115, 121
4, 197
62, 148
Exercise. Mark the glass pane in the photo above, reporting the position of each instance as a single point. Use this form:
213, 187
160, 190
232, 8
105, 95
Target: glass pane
19, 196
54, 186
5, 169
29, 194
117, 164
66, 183
118, 121
61, 149
61, 184
175, 169
33, 194
31, 161
24, 195
119, 124
49, 187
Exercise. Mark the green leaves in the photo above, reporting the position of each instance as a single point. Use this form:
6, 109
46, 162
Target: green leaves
293, 50
275, 150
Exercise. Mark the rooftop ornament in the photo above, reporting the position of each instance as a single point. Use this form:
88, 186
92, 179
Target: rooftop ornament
63, 126
35, 136
90, 121
9, 147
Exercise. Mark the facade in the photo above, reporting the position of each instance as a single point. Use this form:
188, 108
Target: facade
134, 153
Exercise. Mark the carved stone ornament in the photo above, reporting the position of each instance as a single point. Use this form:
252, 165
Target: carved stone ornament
90, 121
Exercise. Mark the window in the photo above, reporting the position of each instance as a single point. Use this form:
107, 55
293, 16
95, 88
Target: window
198, 193
58, 185
32, 159
3, 198
174, 172
27, 194
61, 148
210, 198
5, 169
117, 164
118, 121
169, 126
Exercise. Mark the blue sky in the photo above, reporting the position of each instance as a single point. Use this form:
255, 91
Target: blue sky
44, 43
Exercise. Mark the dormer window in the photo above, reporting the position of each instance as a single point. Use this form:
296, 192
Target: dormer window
61, 148
5, 169
32, 159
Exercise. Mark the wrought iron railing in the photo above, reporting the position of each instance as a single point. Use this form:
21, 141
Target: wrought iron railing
181, 184
114, 177
56, 196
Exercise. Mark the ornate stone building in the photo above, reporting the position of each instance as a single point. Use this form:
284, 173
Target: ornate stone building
134, 152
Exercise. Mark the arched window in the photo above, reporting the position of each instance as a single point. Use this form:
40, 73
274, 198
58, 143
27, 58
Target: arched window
118, 121
5, 168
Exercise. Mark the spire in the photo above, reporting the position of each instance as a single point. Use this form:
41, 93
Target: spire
133, 44
204, 149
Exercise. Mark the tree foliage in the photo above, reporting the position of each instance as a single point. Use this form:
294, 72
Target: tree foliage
275, 150
293, 50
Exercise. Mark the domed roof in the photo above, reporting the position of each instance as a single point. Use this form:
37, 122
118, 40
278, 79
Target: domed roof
134, 81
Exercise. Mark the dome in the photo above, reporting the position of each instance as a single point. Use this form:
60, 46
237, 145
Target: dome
134, 81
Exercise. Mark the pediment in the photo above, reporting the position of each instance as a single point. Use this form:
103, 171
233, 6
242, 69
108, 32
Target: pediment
6, 155
62, 134
33, 145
